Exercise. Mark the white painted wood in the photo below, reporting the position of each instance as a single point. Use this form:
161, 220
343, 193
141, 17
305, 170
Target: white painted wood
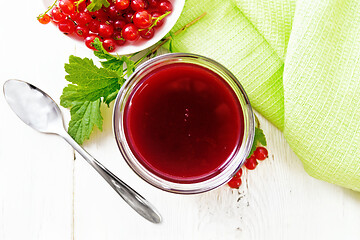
36, 170
44, 194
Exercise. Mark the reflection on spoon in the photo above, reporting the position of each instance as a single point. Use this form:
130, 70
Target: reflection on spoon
39, 111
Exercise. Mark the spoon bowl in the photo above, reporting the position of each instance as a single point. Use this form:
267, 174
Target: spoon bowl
34, 107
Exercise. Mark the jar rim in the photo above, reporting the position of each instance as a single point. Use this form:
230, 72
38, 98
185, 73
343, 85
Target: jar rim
233, 164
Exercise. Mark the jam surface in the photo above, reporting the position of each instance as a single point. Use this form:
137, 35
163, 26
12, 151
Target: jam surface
183, 122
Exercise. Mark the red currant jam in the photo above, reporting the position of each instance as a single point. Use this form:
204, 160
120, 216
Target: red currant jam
183, 122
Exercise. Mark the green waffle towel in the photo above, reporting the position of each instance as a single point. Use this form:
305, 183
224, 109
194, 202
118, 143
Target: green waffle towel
299, 62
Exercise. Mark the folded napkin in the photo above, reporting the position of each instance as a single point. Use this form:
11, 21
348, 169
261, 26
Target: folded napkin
299, 62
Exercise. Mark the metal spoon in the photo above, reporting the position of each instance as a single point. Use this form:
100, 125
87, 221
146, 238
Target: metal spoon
40, 112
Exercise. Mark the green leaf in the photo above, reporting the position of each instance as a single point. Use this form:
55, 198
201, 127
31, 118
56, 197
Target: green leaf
84, 116
259, 139
89, 86
97, 4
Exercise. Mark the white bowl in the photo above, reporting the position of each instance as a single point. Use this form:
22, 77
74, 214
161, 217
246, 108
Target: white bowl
141, 44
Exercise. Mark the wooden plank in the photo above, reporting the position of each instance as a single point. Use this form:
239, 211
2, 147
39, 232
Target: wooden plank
36, 173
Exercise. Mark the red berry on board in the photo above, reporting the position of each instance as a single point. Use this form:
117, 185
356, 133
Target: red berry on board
138, 5
109, 44
238, 174
261, 153
147, 33
57, 14
142, 19
67, 6
44, 19
235, 183
165, 6
251, 163
66, 26
122, 4
130, 32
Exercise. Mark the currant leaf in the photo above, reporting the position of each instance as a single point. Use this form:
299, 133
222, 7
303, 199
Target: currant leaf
259, 139
97, 4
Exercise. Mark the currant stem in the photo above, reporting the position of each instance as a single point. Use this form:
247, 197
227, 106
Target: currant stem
165, 40
49, 8
156, 21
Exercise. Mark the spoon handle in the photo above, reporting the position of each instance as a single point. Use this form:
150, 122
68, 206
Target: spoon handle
131, 197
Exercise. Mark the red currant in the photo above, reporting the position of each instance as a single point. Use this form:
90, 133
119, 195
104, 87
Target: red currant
165, 6
153, 3
261, 153
44, 19
109, 44
81, 31
142, 19
235, 183
106, 30
57, 14
156, 15
83, 18
130, 32
138, 5
129, 16
67, 7
94, 25
122, 4
66, 26
119, 25
147, 33
119, 40
113, 12
89, 41
251, 163
238, 174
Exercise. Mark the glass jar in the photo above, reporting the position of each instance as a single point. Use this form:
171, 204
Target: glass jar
205, 183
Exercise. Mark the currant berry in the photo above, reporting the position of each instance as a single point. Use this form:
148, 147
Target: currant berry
138, 5
82, 31
142, 19
119, 24
113, 12
129, 16
165, 6
83, 18
156, 15
106, 30
119, 40
238, 174
251, 163
130, 32
66, 26
57, 14
44, 19
94, 25
261, 153
147, 33
153, 3
109, 44
89, 41
235, 183
122, 4
67, 7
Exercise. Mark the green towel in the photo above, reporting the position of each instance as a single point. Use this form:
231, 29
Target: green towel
299, 62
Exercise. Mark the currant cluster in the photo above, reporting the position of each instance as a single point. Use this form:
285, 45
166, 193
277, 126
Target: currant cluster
123, 21
260, 154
